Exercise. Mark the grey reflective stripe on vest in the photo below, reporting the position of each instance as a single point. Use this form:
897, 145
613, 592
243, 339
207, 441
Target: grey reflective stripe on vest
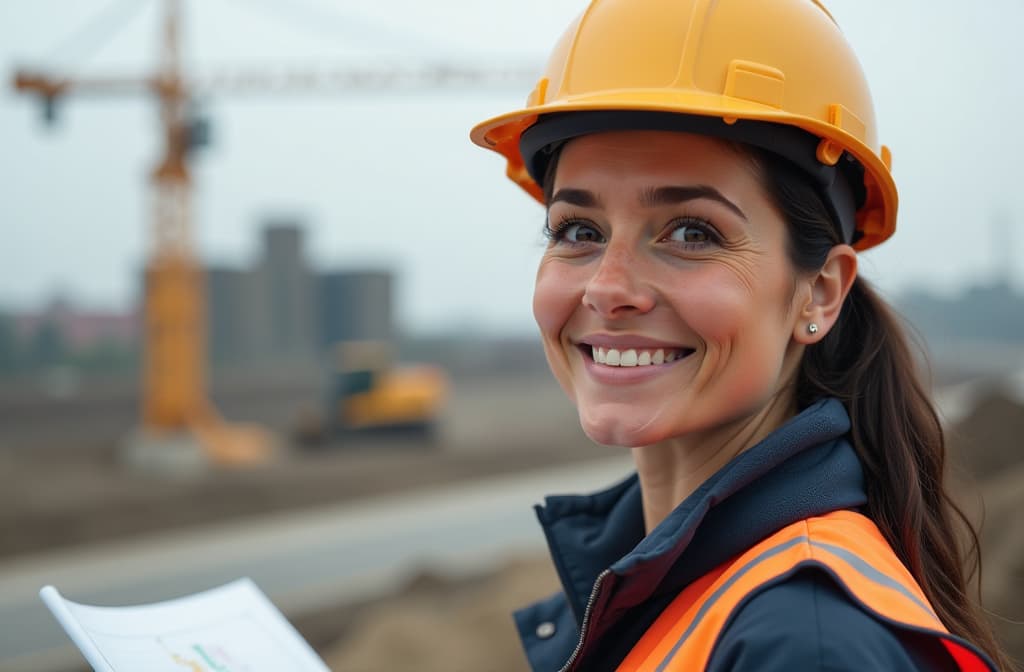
857, 563
710, 602
872, 574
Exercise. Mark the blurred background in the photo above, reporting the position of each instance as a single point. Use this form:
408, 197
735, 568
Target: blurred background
265, 310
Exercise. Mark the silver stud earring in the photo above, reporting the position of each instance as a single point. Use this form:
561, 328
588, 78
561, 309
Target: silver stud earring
812, 328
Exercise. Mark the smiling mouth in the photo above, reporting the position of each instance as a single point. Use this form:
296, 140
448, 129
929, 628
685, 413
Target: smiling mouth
629, 357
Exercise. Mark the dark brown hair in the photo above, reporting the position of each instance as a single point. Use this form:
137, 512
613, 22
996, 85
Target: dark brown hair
866, 361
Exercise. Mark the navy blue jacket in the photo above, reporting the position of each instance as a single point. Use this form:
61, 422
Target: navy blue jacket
803, 622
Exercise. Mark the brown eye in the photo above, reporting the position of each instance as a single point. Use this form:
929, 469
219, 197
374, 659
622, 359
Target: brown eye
693, 232
690, 234
582, 233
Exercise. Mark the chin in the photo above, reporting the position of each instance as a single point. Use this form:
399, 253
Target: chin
609, 432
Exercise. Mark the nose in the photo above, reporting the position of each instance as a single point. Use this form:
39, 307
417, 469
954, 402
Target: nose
616, 288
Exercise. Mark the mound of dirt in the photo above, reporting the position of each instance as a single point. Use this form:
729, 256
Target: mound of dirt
990, 439
440, 625
1002, 541
987, 449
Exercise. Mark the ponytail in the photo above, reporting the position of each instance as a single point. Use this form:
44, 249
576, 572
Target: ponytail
865, 361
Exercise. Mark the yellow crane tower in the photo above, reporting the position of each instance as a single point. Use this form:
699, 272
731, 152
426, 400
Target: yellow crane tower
174, 399
175, 404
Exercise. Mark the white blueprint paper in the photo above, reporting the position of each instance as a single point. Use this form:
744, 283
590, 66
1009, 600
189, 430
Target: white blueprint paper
233, 628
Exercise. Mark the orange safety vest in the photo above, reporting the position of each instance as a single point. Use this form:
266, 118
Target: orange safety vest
845, 543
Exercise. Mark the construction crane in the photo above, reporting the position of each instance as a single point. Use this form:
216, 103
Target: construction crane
175, 404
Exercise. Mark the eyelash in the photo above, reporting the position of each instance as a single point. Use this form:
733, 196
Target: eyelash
556, 233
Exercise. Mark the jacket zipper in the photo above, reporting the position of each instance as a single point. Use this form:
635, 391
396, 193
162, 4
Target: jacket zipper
586, 619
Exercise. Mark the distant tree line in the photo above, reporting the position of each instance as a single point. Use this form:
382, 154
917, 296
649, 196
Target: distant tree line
981, 314
46, 347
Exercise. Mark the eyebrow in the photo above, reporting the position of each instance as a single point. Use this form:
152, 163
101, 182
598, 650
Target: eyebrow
653, 197
578, 197
650, 197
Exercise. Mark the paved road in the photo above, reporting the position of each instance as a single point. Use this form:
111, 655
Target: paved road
301, 560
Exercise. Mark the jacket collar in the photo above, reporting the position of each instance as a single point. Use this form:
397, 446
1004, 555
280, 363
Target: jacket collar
805, 468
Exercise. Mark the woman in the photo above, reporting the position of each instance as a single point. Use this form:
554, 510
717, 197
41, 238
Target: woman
710, 170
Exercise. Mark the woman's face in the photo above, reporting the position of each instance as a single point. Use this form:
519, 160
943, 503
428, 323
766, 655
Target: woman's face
665, 299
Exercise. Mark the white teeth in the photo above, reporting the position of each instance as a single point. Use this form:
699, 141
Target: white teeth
631, 357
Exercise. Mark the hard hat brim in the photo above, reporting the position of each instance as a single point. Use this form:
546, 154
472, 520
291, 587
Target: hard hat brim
876, 218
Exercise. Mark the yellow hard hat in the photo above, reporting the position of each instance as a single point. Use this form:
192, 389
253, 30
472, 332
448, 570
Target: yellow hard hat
777, 74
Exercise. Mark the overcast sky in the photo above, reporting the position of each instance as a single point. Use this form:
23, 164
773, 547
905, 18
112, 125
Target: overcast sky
392, 179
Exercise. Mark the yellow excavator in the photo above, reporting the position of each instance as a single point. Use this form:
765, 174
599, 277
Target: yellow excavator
367, 394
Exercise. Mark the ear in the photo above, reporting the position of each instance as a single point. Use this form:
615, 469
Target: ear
828, 289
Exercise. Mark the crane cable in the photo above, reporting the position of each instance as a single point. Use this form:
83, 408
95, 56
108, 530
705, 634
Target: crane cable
333, 25
91, 36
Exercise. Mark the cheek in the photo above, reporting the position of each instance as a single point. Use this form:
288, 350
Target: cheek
715, 305
743, 327
554, 300
724, 307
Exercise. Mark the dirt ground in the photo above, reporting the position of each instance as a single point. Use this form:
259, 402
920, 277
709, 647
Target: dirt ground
61, 484
988, 453
404, 632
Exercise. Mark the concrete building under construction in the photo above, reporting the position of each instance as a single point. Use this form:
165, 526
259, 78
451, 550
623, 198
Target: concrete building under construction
280, 309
